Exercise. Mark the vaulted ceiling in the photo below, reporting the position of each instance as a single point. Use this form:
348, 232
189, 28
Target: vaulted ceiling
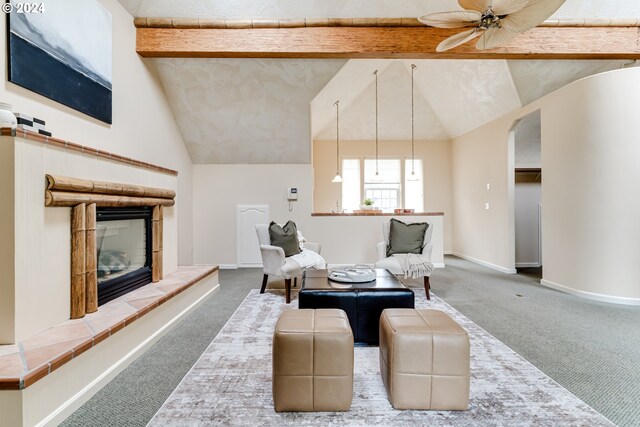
451, 97
268, 110
244, 110
263, 110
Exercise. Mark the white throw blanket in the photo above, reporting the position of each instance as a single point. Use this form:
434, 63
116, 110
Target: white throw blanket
414, 265
309, 259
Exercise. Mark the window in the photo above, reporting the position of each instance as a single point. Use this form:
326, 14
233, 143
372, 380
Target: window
414, 188
390, 190
351, 184
385, 188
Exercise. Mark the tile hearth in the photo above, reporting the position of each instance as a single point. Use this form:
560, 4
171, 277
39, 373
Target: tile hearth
29, 360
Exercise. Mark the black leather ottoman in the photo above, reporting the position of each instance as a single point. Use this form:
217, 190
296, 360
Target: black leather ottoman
363, 302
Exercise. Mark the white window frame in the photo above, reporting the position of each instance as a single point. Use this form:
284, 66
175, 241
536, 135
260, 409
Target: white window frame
403, 174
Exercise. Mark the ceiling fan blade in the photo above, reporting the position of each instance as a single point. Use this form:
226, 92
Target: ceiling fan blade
505, 7
477, 5
495, 37
458, 39
532, 15
455, 19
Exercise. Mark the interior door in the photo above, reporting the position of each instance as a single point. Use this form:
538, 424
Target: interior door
247, 246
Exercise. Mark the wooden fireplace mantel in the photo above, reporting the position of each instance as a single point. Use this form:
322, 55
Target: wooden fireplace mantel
84, 196
65, 191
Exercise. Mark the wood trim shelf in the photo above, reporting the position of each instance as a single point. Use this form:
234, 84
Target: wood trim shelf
71, 146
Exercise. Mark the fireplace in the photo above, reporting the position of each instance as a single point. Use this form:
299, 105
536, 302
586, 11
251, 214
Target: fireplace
124, 250
116, 237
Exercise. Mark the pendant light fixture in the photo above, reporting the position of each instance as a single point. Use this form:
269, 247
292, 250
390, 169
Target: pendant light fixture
377, 175
412, 176
337, 178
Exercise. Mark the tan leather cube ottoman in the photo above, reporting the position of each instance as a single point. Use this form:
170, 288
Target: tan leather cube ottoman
424, 360
313, 361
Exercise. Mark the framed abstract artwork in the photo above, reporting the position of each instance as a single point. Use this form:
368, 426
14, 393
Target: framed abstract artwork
62, 50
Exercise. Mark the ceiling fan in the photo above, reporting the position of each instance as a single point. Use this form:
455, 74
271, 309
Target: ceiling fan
496, 21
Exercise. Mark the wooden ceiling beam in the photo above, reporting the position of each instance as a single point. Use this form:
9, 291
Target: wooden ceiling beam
409, 42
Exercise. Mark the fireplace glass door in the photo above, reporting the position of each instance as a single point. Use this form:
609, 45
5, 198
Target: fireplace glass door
123, 243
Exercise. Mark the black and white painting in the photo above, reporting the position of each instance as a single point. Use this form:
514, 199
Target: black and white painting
63, 51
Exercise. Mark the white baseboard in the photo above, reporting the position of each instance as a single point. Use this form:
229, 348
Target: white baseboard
527, 264
64, 410
486, 264
590, 295
228, 266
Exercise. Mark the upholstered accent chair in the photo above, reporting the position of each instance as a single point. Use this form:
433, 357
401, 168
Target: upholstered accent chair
275, 263
392, 264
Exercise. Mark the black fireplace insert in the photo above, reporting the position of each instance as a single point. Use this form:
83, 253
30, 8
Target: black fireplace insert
123, 243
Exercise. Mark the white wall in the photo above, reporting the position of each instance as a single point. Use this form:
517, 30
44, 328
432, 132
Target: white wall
218, 189
478, 159
527, 141
589, 153
7, 245
590, 157
143, 128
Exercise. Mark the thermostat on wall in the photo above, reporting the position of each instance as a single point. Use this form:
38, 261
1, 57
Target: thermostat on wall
292, 194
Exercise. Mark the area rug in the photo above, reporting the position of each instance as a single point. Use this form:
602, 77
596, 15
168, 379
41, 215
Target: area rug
231, 383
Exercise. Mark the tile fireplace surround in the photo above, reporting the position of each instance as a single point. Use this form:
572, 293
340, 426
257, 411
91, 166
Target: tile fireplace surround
50, 365
30, 360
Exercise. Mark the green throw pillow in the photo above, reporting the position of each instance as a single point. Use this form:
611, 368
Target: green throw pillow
285, 237
406, 238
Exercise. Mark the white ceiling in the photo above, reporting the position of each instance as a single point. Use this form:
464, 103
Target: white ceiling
452, 97
262, 110
258, 110
534, 79
357, 118
279, 9
245, 110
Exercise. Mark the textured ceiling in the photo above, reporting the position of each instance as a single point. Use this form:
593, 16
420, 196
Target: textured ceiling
258, 111
266, 111
534, 79
357, 120
244, 110
572, 9
452, 97
480, 92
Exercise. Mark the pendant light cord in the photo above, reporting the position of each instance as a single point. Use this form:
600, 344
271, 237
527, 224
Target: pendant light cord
413, 67
337, 104
375, 73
